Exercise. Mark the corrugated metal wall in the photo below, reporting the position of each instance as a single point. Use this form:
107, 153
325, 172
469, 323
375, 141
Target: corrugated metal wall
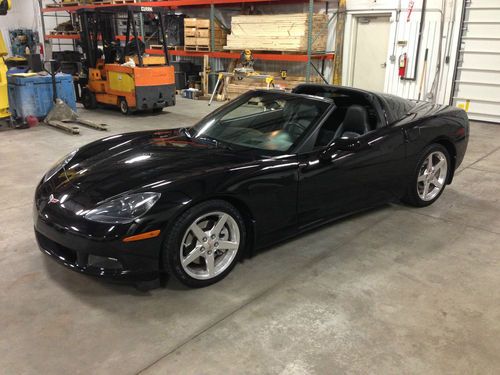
478, 72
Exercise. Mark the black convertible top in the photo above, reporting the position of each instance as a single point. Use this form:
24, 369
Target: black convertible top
394, 107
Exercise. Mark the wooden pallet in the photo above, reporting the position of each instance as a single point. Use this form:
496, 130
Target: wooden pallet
197, 35
196, 48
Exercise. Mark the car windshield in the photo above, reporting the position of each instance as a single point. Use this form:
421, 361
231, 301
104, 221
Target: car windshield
262, 120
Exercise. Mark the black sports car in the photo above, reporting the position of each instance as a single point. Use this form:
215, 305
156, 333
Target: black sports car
264, 167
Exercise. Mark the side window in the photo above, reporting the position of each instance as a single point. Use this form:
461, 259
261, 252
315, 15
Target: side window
329, 127
349, 120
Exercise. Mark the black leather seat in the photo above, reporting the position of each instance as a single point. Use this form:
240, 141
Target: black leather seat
355, 123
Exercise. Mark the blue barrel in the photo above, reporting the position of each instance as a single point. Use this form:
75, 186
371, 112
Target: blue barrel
32, 96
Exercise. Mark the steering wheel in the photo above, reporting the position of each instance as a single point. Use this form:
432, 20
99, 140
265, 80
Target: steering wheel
295, 129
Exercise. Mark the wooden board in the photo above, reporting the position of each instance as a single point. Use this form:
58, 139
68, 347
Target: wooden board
202, 23
234, 87
205, 33
189, 22
206, 42
281, 32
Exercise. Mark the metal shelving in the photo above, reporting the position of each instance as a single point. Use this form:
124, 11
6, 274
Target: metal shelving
306, 58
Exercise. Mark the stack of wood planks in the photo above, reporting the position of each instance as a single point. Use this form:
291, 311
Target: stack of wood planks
237, 87
197, 35
279, 32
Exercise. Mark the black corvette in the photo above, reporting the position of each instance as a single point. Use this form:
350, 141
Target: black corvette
264, 167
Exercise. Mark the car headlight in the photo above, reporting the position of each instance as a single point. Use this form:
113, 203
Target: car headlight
61, 163
124, 209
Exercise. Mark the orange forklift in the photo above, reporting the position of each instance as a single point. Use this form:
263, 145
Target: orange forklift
120, 74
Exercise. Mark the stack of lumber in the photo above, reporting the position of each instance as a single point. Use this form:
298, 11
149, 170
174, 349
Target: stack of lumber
279, 32
197, 35
237, 87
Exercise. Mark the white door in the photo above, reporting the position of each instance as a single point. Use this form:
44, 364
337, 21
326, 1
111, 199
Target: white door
369, 60
477, 84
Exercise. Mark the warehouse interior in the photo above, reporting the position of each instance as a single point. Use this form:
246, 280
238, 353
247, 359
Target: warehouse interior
393, 289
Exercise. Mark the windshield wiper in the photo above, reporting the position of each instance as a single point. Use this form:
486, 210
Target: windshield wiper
214, 142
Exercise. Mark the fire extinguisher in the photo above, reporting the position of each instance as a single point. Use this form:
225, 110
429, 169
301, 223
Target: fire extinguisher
403, 63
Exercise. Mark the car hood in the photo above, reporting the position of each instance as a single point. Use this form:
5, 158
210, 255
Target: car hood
143, 161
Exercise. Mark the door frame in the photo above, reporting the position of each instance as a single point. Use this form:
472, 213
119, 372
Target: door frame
351, 27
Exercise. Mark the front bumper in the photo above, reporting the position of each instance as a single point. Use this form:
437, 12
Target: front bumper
108, 259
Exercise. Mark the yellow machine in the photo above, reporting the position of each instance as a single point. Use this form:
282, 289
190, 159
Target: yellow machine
4, 97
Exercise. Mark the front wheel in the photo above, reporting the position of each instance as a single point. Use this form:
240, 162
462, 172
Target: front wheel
430, 176
124, 108
205, 243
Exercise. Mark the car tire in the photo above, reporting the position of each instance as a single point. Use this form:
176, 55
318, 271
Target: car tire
204, 258
89, 100
428, 181
124, 108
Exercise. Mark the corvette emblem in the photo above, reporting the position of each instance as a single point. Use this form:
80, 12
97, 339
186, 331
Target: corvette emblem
53, 199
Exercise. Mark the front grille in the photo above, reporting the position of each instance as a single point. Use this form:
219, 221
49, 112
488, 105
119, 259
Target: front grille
62, 252
82, 260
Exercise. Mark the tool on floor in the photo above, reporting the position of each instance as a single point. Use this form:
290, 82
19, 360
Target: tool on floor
61, 116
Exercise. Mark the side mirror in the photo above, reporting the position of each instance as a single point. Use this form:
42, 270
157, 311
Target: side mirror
349, 142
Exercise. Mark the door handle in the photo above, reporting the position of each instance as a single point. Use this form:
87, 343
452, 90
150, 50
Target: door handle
303, 165
383, 65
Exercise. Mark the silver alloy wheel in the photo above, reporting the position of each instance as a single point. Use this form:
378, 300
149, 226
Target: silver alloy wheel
432, 176
209, 245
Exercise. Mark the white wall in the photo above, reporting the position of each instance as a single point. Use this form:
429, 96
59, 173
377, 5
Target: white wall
437, 85
24, 14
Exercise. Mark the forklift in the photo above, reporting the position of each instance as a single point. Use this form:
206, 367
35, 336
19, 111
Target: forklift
120, 75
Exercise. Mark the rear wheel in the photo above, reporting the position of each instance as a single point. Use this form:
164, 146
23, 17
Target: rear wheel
205, 243
430, 176
124, 108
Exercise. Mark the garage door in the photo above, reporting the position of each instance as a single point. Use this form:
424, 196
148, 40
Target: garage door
477, 80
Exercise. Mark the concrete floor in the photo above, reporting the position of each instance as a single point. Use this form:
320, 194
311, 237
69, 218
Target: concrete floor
392, 291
